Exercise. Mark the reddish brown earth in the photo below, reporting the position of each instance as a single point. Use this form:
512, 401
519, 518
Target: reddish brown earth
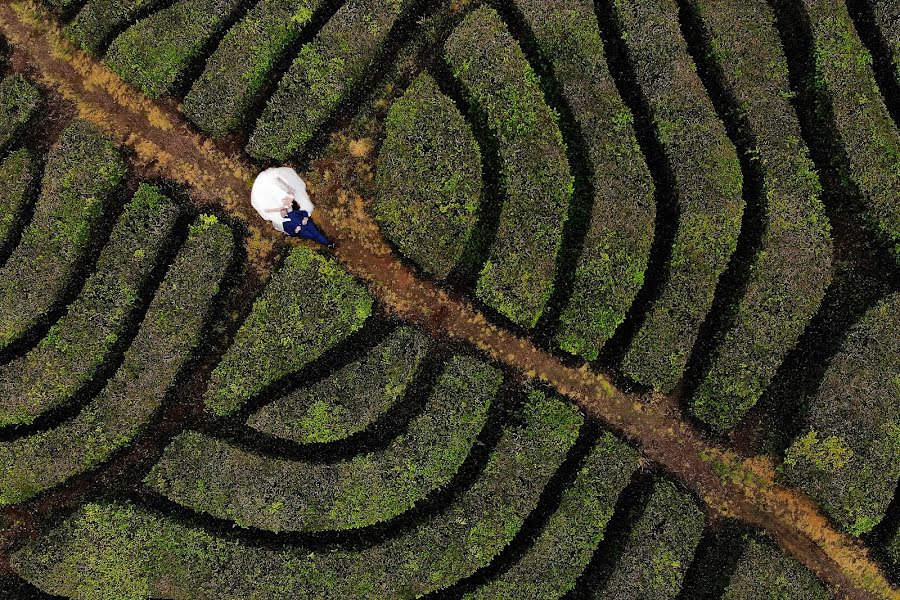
165, 145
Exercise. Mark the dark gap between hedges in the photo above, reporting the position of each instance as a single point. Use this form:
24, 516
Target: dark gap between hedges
878, 539
534, 524
15, 588
715, 561
863, 17
656, 274
732, 284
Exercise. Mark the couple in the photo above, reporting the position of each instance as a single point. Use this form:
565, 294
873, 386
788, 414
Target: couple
279, 196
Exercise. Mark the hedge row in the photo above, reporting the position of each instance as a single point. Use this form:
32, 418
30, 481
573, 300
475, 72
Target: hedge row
19, 100
707, 188
764, 571
887, 18
792, 266
611, 268
349, 400
309, 305
564, 547
659, 548
518, 277
154, 53
82, 172
124, 551
848, 456
16, 178
847, 90
79, 343
244, 62
98, 21
429, 178
325, 73
170, 332
211, 476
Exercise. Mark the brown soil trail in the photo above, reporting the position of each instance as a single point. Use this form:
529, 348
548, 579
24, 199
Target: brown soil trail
166, 146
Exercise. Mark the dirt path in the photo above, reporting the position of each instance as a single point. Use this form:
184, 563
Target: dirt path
165, 146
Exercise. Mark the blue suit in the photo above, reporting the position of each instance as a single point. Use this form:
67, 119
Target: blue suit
307, 232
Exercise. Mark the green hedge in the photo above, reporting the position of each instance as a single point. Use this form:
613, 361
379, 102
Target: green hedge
847, 89
170, 332
658, 549
429, 178
563, 548
82, 172
79, 343
209, 475
349, 400
19, 100
848, 456
887, 18
707, 190
99, 20
764, 571
611, 268
325, 73
244, 62
309, 305
154, 53
518, 277
119, 550
792, 267
16, 178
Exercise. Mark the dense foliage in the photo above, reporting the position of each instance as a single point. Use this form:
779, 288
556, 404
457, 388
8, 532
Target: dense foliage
99, 21
764, 571
19, 100
16, 179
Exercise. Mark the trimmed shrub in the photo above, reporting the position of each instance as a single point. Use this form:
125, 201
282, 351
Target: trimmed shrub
518, 277
209, 475
611, 268
99, 20
166, 340
564, 547
429, 178
659, 547
846, 90
19, 100
16, 179
309, 305
887, 18
154, 53
112, 548
349, 400
848, 456
79, 343
764, 571
792, 266
243, 63
707, 188
325, 73
83, 170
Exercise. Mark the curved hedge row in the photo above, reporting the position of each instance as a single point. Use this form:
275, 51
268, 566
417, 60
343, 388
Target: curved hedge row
764, 571
19, 100
708, 182
166, 340
119, 548
518, 277
211, 476
611, 268
847, 90
792, 267
78, 344
349, 400
82, 172
429, 178
308, 306
887, 18
325, 73
848, 457
16, 178
238, 70
99, 20
154, 53
658, 549
564, 546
